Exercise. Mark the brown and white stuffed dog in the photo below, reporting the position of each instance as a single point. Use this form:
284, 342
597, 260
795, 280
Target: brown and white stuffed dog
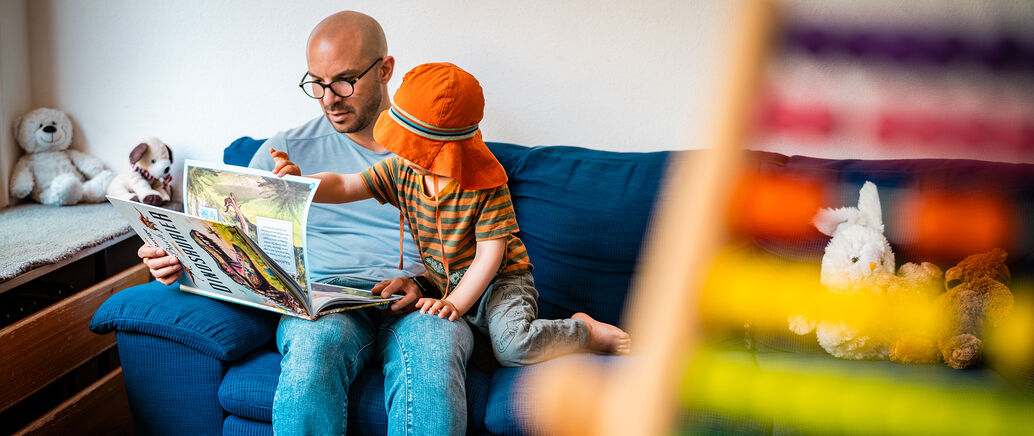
149, 179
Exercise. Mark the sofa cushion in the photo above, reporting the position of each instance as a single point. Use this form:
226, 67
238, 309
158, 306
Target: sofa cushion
219, 330
583, 216
247, 386
510, 405
237, 426
247, 391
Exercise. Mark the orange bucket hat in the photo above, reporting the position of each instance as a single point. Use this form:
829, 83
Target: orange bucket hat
433, 122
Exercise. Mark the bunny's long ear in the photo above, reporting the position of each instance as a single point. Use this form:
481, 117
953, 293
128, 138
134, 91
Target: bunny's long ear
869, 205
827, 220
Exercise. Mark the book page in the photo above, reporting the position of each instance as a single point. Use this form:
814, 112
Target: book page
271, 210
324, 295
219, 260
332, 298
276, 238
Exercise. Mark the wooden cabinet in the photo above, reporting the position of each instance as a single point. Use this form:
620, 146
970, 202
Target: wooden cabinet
41, 351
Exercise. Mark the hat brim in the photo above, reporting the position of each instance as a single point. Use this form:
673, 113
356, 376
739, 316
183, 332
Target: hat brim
468, 161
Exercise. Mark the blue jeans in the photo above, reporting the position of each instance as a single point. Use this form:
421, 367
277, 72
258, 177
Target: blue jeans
424, 363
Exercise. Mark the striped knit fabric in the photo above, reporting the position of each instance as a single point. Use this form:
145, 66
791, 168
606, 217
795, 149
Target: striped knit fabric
458, 220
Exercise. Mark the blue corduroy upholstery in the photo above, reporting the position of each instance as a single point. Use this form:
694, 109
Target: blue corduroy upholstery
240, 151
172, 388
235, 425
583, 215
219, 330
247, 389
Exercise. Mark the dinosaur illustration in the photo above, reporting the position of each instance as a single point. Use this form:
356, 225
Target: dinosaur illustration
242, 270
231, 201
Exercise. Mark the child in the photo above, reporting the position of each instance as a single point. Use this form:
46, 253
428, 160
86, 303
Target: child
452, 193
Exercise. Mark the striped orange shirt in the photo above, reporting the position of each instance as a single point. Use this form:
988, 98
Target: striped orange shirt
466, 217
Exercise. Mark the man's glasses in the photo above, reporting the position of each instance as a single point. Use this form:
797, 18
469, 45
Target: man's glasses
340, 87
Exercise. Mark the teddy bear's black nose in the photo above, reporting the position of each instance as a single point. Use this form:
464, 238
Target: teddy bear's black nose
50, 129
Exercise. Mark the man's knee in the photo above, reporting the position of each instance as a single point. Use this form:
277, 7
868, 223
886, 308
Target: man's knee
433, 340
333, 335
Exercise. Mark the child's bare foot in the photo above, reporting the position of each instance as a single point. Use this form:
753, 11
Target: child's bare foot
603, 337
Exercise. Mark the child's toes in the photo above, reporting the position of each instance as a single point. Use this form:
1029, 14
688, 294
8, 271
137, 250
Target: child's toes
622, 343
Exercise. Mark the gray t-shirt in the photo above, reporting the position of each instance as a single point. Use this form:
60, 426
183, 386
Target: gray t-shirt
355, 240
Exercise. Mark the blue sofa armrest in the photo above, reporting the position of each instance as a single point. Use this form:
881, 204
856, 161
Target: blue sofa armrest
175, 349
216, 329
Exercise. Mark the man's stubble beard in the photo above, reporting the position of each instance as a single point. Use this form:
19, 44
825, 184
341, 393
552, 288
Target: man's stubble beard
364, 115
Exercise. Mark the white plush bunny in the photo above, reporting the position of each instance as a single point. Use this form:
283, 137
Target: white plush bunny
855, 259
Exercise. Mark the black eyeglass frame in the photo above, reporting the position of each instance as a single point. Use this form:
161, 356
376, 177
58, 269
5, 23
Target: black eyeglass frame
351, 83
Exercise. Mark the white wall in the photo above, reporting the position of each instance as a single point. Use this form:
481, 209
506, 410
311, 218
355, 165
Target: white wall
616, 75
607, 74
14, 79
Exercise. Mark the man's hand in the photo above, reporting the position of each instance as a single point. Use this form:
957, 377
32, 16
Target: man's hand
443, 308
283, 166
166, 269
400, 285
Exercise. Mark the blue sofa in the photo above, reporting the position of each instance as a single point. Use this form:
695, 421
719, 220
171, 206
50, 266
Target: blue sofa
194, 365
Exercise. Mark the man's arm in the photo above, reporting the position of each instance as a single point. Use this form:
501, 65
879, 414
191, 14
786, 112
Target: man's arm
333, 188
487, 258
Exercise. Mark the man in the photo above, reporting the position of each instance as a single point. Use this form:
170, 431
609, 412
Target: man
424, 357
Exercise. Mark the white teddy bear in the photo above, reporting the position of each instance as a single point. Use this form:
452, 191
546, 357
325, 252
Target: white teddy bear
49, 172
148, 180
859, 259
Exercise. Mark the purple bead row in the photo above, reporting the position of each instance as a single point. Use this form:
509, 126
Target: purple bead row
1004, 52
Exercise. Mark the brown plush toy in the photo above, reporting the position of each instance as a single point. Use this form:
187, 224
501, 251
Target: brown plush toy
923, 284
978, 297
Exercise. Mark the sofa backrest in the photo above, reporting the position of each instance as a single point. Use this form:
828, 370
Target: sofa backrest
898, 181
240, 151
583, 216
584, 213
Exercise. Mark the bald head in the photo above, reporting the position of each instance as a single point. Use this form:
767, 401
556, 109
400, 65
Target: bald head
349, 48
349, 30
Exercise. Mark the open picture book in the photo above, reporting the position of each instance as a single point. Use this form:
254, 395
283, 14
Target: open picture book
241, 238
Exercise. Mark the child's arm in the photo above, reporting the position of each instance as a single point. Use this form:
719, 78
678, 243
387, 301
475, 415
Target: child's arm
333, 188
487, 258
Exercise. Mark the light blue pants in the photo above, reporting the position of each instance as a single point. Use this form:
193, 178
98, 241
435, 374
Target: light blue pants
423, 359
508, 314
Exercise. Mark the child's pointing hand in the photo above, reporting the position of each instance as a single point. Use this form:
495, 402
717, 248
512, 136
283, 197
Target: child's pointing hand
283, 166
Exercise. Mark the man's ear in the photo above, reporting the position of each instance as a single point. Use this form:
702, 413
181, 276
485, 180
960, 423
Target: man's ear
137, 152
387, 69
